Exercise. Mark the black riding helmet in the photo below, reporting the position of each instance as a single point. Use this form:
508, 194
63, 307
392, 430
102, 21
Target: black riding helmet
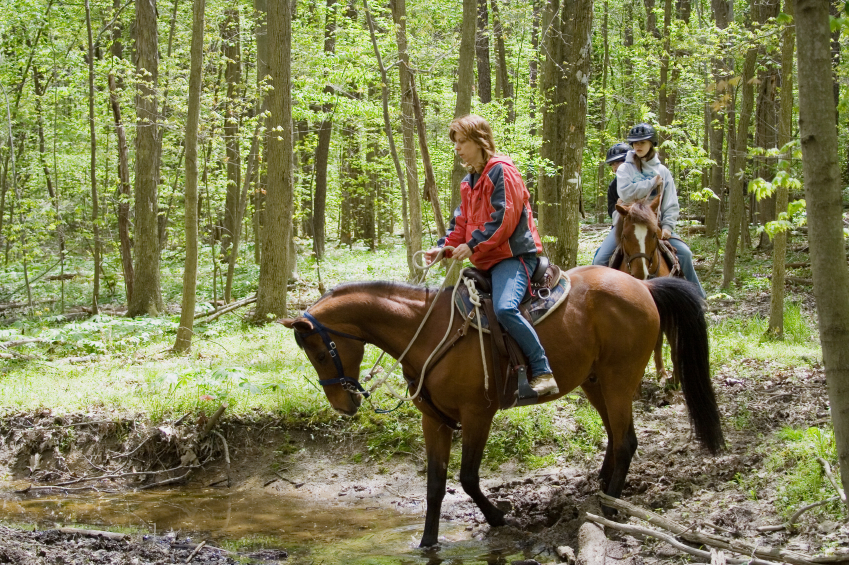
617, 153
643, 132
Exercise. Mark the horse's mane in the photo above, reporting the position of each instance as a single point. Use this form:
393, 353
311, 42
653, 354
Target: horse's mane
640, 212
374, 287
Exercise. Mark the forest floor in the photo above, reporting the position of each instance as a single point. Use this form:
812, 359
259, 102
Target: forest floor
542, 462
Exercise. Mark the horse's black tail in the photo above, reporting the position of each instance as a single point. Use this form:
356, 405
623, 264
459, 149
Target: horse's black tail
682, 316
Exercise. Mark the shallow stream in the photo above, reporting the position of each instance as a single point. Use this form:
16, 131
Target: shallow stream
312, 532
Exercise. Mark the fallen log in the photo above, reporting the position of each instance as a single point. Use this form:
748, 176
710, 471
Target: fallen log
228, 308
719, 542
592, 544
94, 533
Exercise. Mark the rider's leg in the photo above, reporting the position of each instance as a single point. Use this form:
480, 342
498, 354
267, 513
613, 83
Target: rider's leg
685, 258
509, 283
608, 246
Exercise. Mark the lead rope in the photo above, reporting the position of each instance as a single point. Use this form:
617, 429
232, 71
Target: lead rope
476, 301
474, 298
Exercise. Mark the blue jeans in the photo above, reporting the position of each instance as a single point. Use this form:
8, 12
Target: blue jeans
509, 283
685, 257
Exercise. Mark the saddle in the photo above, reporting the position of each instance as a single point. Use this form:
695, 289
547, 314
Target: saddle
667, 252
513, 387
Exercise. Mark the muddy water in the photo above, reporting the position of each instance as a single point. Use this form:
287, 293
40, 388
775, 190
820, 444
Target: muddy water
311, 532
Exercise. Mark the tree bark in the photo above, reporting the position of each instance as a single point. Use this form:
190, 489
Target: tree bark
577, 69
465, 80
785, 126
766, 120
322, 148
431, 194
279, 200
737, 165
482, 54
825, 222
95, 200
408, 129
231, 48
722, 13
502, 77
257, 198
147, 297
601, 186
183, 341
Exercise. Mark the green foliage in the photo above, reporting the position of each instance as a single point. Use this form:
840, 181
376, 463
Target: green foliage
803, 479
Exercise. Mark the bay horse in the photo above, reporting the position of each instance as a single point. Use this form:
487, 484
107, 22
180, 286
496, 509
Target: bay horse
638, 236
600, 339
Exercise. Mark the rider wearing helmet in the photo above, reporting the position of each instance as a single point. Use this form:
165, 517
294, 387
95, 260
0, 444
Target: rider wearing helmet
615, 157
641, 176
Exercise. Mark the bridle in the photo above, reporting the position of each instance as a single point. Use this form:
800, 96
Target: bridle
629, 258
324, 332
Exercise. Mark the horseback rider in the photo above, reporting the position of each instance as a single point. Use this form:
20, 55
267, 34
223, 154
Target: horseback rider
615, 157
640, 176
494, 227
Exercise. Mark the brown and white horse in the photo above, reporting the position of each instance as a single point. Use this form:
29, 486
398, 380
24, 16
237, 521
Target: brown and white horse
600, 339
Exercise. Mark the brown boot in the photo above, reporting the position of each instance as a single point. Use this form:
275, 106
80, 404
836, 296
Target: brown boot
544, 384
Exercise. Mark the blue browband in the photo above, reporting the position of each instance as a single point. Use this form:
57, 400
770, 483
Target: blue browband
324, 332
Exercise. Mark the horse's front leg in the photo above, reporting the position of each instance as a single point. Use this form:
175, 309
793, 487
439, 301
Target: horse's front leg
437, 438
475, 434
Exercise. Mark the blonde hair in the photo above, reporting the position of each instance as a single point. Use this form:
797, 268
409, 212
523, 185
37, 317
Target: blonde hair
478, 130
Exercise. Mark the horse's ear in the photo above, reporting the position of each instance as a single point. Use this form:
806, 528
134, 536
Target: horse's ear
621, 208
298, 324
655, 204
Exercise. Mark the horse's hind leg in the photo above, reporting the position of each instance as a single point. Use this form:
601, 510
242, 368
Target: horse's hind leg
475, 434
662, 375
437, 438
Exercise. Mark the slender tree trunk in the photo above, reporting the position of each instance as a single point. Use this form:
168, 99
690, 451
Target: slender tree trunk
257, 199
533, 70
95, 200
482, 54
785, 132
322, 149
465, 79
230, 35
408, 129
503, 84
147, 297
276, 231
737, 165
190, 269
825, 222
601, 188
577, 69
664, 90
766, 120
431, 194
723, 15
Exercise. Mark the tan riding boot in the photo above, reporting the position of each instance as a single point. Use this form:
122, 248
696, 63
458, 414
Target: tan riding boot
544, 384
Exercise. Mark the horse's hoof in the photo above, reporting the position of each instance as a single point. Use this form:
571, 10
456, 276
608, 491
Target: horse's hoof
608, 511
428, 541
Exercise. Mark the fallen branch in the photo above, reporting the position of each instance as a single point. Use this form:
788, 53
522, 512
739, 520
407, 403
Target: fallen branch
226, 456
214, 419
229, 308
196, 551
52, 487
296, 485
26, 341
671, 540
94, 533
166, 481
125, 475
719, 542
827, 468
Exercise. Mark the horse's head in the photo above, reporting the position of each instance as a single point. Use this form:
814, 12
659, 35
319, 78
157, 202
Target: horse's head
336, 356
638, 233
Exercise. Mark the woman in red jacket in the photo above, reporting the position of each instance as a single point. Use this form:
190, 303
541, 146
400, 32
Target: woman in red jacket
494, 228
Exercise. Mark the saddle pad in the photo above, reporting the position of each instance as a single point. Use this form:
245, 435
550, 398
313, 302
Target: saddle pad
538, 308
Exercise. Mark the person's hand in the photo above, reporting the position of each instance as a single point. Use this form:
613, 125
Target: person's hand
658, 180
665, 234
430, 254
461, 252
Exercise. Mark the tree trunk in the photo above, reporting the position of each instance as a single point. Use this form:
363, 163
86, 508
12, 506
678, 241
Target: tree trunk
577, 69
231, 47
465, 79
736, 168
722, 13
322, 149
551, 149
533, 69
279, 200
257, 199
147, 297
825, 222
408, 129
664, 86
502, 80
190, 269
431, 194
785, 127
482, 54
95, 200
601, 186
766, 120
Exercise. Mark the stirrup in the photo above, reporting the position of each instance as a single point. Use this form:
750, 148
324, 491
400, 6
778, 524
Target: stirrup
525, 394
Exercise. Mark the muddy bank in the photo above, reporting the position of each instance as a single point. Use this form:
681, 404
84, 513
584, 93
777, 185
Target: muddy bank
670, 473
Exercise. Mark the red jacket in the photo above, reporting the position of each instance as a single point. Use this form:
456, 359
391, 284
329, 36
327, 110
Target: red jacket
494, 217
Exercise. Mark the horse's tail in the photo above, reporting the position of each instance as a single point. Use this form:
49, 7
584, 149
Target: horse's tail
682, 315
